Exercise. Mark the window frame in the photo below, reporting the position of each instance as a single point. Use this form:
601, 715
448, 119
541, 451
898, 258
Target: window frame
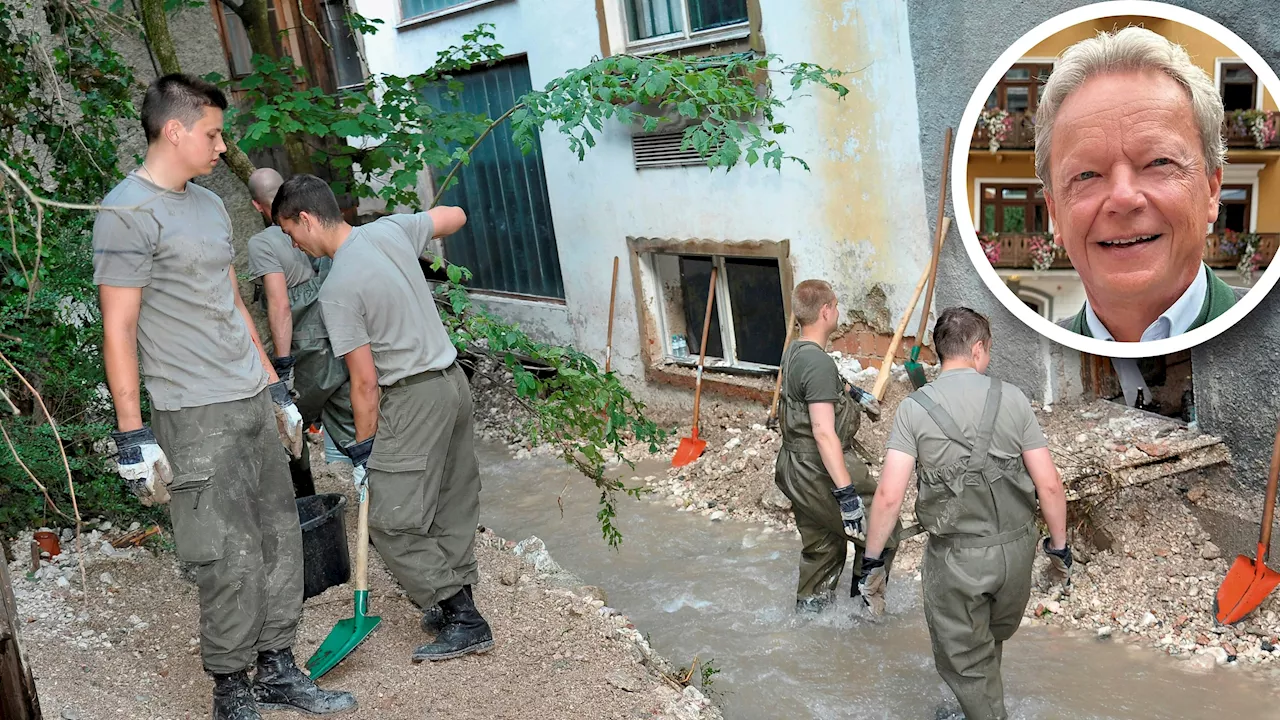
1033, 95
685, 38
1219, 225
1219, 77
1000, 184
460, 6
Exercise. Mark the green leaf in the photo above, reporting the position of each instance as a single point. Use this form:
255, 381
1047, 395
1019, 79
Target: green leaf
454, 273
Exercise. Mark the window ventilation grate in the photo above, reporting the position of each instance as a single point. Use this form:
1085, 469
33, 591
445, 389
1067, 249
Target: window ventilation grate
663, 150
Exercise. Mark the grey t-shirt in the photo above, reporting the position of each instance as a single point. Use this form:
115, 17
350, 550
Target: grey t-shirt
962, 393
194, 344
271, 251
376, 295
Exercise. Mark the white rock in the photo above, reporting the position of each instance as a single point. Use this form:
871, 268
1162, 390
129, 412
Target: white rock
1210, 551
1104, 632
1219, 655
718, 515
106, 579
63, 582
1149, 619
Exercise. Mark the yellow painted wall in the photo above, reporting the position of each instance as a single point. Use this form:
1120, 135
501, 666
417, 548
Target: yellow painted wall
1203, 49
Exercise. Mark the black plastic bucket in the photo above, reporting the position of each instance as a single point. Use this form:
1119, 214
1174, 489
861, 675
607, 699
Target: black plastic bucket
325, 560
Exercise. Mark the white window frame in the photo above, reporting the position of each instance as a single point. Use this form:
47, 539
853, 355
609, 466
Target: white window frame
1217, 80
682, 39
1244, 174
724, 313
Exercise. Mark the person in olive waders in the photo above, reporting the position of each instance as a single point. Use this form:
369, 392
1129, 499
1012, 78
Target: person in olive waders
981, 461
817, 467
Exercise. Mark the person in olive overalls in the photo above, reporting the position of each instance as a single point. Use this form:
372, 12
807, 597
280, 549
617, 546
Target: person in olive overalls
817, 467
981, 461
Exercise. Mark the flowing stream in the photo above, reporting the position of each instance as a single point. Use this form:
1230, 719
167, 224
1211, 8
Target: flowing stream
724, 592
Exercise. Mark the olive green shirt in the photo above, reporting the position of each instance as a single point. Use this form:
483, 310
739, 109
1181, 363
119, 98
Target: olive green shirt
193, 343
962, 393
272, 251
376, 295
809, 375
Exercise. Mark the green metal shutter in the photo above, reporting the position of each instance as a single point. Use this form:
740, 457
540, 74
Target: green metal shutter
509, 241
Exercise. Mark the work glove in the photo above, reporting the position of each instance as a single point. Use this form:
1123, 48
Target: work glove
872, 585
851, 512
869, 404
288, 419
143, 465
284, 369
1060, 561
359, 453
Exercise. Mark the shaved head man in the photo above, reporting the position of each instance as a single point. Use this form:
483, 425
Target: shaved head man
263, 184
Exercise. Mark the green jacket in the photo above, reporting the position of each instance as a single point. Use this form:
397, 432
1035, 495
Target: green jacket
1218, 298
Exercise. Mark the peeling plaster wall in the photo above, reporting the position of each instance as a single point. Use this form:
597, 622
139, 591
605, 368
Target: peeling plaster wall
858, 219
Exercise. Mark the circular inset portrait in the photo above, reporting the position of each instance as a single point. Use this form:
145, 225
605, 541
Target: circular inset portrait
1121, 183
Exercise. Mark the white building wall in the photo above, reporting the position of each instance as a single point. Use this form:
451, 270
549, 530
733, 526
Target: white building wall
858, 219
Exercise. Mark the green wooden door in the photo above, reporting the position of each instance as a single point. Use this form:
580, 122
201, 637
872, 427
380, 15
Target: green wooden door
508, 243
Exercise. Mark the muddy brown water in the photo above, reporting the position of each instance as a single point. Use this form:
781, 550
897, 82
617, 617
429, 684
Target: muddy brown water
724, 591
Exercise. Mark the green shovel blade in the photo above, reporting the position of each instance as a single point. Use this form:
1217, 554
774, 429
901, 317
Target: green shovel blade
344, 637
915, 370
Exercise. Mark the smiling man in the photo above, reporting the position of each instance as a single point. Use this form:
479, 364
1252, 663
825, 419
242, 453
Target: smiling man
1129, 148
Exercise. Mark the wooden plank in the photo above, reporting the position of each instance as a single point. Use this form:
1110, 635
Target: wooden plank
18, 700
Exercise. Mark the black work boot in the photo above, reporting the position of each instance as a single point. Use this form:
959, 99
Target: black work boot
232, 699
280, 685
465, 631
433, 618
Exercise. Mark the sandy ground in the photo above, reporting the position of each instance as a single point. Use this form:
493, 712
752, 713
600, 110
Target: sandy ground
1150, 558
130, 650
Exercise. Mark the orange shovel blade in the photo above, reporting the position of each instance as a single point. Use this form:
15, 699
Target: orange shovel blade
690, 449
1246, 585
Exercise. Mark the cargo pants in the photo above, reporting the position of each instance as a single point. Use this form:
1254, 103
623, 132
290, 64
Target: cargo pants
424, 485
803, 478
235, 520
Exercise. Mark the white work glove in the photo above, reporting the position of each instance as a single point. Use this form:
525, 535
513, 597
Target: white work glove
143, 465
851, 512
873, 584
288, 419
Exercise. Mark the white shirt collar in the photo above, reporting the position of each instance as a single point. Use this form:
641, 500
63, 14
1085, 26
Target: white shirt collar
1174, 321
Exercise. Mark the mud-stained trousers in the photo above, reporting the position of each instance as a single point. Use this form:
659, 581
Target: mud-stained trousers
424, 485
803, 478
974, 598
234, 518
323, 395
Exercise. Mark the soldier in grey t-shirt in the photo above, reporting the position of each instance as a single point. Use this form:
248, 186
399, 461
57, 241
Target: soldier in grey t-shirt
412, 404
301, 352
162, 261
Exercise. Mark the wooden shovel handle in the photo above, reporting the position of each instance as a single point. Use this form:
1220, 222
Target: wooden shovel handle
702, 354
362, 544
613, 293
1269, 509
937, 240
777, 385
882, 379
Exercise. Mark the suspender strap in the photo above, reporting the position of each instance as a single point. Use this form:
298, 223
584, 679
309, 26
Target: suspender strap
971, 541
986, 427
944, 421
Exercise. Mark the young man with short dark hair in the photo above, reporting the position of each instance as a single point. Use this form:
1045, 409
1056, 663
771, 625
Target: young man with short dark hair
818, 468
302, 355
983, 467
168, 293
412, 403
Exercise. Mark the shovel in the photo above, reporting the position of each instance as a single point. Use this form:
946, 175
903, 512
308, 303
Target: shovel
882, 379
691, 447
1248, 583
350, 632
772, 421
914, 369
608, 343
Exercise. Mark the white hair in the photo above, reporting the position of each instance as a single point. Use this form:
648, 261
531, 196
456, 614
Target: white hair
1130, 49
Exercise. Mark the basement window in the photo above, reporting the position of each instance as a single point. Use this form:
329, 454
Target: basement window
748, 320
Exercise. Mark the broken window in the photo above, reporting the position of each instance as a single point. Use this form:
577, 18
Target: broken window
748, 321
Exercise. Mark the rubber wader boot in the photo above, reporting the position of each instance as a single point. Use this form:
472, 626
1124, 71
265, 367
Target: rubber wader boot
280, 685
465, 631
232, 698
304, 483
433, 618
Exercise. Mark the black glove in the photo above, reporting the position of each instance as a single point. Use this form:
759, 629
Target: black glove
873, 583
284, 369
359, 452
851, 511
1060, 562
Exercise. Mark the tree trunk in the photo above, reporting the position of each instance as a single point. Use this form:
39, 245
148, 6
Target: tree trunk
156, 24
257, 25
18, 700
